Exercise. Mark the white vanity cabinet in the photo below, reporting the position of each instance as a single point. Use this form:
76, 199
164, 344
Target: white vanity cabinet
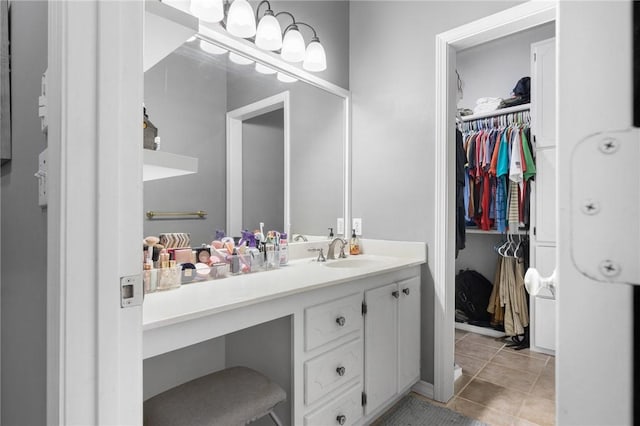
392, 340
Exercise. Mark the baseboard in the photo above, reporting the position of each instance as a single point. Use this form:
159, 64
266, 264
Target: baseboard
423, 388
479, 330
457, 372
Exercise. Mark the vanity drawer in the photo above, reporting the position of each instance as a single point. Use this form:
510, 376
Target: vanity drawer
328, 321
346, 408
331, 370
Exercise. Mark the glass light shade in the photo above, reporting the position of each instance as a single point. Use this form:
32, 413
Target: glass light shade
293, 48
285, 78
269, 33
239, 59
315, 59
263, 69
207, 10
212, 48
240, 20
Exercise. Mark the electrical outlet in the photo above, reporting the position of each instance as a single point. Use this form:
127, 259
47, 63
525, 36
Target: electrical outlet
357, 225
340, 226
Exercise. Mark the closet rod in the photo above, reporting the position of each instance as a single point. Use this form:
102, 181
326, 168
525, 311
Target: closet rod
497, 113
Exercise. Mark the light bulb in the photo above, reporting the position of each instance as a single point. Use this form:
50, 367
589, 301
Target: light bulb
207, 10
239, 59
212, 48
240, 20
315, 59
293, 48
269, 33
263, 69
285, 78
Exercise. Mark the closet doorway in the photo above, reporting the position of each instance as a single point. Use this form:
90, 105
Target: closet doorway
494, 27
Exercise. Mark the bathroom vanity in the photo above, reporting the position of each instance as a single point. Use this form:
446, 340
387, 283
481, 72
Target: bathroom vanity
355, 326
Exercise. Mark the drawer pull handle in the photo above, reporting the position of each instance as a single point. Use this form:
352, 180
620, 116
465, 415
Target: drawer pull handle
341, 419
340, 371
341, 321
396, 294
406, 291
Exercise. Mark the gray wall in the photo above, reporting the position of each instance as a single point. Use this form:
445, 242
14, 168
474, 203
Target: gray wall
24, 291
392, 66
492, 69
263, 171
186, 99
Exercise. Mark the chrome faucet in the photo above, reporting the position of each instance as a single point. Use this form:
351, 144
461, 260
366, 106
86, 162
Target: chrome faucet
299, 237
332, 248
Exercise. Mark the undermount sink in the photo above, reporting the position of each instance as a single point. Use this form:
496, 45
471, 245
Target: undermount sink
350, 263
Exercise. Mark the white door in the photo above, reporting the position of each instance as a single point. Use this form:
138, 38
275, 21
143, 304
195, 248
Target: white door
95, 82
594, 363
380, 345
543, 240
408, 332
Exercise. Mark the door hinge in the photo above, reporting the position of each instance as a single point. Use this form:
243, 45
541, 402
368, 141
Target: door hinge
535, 57
364, 308
534, 139
534, 231
364, 399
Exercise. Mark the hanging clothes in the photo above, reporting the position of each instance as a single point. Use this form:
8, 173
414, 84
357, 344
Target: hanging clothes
500, 168
461, 162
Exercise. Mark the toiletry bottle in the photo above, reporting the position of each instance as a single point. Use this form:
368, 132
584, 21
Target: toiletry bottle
330, 233
284, 254
354, 244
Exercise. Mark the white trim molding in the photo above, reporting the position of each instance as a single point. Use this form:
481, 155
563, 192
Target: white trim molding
423, 388
507, 22
234, 157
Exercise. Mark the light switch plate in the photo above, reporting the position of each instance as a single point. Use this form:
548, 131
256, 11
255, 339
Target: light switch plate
357, 225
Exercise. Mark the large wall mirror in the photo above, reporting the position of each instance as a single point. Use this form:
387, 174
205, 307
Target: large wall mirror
268, 150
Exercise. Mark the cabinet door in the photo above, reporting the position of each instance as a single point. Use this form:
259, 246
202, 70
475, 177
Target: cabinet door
408, 333
543, 315
543, 92
545, 196
380, 359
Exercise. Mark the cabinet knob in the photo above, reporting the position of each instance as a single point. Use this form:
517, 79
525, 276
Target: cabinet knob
341, 371
406, 291
395, 294
341, 419
341, 321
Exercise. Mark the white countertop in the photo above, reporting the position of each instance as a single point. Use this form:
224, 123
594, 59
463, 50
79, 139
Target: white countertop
200, 299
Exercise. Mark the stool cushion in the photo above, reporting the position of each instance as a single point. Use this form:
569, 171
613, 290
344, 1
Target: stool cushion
229, 397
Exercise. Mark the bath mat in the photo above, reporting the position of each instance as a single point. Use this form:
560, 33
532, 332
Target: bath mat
413, 411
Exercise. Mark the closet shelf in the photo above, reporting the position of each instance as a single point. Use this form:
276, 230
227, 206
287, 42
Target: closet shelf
494, 232
498, 112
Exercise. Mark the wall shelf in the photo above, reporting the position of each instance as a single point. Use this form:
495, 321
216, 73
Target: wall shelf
160, 165
165, 29
496, 113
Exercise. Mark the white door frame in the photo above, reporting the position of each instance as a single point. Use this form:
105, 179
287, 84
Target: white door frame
94, 237
234, 156
507, 22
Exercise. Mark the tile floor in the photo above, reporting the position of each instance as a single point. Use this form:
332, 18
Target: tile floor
501, 386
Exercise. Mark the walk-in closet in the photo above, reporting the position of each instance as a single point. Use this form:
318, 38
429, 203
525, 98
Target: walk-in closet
505, 220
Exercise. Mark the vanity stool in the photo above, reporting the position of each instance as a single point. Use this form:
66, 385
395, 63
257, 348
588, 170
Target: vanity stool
229, 397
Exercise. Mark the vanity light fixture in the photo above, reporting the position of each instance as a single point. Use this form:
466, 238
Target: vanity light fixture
286, 78
269, 32
239, 59
240, 19
207, 10
263, 69
237, 17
